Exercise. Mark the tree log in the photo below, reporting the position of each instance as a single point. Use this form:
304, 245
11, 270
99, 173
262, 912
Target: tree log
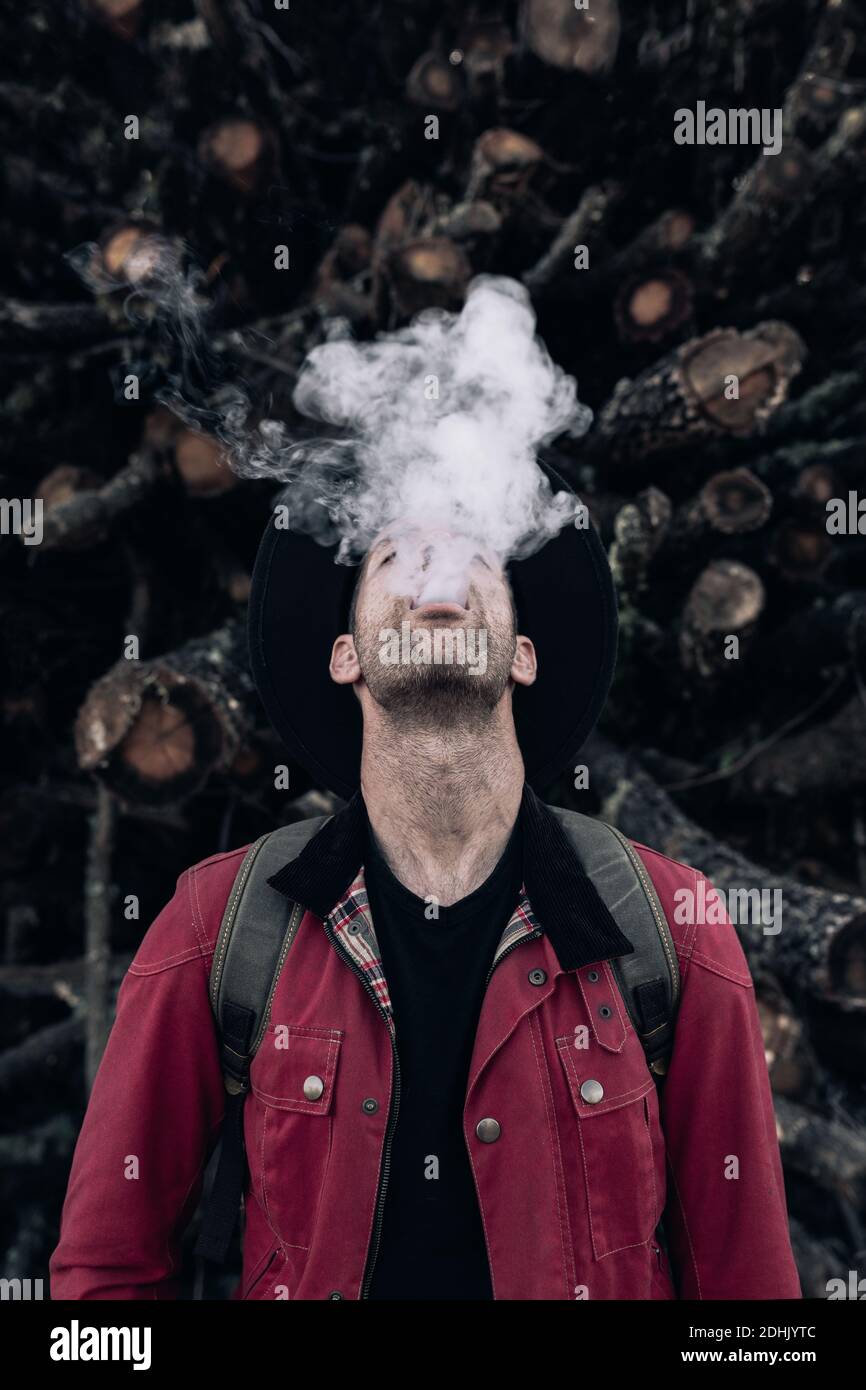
639, 530
575, 40
77, 516
503, 163
240, 152
584, 227
38, 327
817, 956
431, 271
653, 305
435, 84
687, 396
826, 760
729, 503
154, 731
726, 600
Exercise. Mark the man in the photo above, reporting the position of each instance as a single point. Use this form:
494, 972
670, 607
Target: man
450, 1100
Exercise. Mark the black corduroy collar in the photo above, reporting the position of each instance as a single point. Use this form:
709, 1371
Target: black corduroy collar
563, 897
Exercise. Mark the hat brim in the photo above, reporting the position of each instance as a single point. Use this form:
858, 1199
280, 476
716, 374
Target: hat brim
299, 603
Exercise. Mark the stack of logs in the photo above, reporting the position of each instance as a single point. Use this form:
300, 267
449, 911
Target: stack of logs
709, 302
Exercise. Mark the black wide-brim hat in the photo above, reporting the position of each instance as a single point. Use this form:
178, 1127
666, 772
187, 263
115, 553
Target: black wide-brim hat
299, 604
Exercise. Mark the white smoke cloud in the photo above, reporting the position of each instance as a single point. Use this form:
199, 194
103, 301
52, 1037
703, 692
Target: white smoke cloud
442, 420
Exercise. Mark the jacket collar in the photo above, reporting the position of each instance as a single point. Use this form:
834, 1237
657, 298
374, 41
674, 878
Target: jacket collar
558, 897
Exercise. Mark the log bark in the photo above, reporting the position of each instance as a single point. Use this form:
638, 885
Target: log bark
38, 327
98, 895
639, 531
823, 761
583, 227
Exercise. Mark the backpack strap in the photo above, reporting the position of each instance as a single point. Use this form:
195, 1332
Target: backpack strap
258, 929
649, 978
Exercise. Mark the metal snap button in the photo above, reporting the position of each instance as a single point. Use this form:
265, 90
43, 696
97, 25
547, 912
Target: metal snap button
593, 977
537, 977
488, 1130
605, 1011
370, 1105
313, 1087
592, 1092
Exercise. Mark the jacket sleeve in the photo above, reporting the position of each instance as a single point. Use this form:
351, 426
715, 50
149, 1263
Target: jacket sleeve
153, 1116
726, 1218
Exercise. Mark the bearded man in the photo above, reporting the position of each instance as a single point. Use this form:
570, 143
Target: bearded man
467, 1047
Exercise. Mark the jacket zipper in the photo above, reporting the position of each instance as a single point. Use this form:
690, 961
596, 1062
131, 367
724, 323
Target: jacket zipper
385, 1170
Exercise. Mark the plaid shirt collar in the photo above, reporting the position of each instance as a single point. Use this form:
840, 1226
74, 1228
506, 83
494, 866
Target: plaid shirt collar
352, 923
557, 896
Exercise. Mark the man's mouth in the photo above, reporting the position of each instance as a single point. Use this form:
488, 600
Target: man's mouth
439, 608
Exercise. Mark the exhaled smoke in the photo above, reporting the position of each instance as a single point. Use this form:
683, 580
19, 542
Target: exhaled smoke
434, 426
444, 418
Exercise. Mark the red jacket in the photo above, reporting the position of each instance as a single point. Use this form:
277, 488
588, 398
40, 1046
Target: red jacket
571, 1192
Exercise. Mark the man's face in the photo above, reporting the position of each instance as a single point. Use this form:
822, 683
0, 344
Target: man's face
434, 628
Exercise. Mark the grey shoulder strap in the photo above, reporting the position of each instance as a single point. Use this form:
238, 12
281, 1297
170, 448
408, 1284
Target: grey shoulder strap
247, 962
257, 931
648, 978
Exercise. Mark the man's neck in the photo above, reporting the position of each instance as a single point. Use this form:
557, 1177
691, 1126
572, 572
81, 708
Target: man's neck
442, 803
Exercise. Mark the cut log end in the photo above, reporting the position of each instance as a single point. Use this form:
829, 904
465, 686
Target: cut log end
133, 255
726, 597
430, 271
574, 40
154, 731
737, 379
203, 464
735, 501
801, 549
161, 744
435, 84
237, 151
503, 163
122, 17
653, 305
847, 961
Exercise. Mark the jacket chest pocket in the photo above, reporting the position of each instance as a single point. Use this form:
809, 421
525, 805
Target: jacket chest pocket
293, 1079
615, 1128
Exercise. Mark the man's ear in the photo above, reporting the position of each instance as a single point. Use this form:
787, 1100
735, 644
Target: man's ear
345, 668
524, 667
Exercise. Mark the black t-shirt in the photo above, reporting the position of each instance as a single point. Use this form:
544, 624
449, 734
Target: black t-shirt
432, 1243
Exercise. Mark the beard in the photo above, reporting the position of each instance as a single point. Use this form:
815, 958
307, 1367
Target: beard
431, 694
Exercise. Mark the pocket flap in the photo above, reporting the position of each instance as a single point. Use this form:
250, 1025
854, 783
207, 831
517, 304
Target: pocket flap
293, 1063
619, 1082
